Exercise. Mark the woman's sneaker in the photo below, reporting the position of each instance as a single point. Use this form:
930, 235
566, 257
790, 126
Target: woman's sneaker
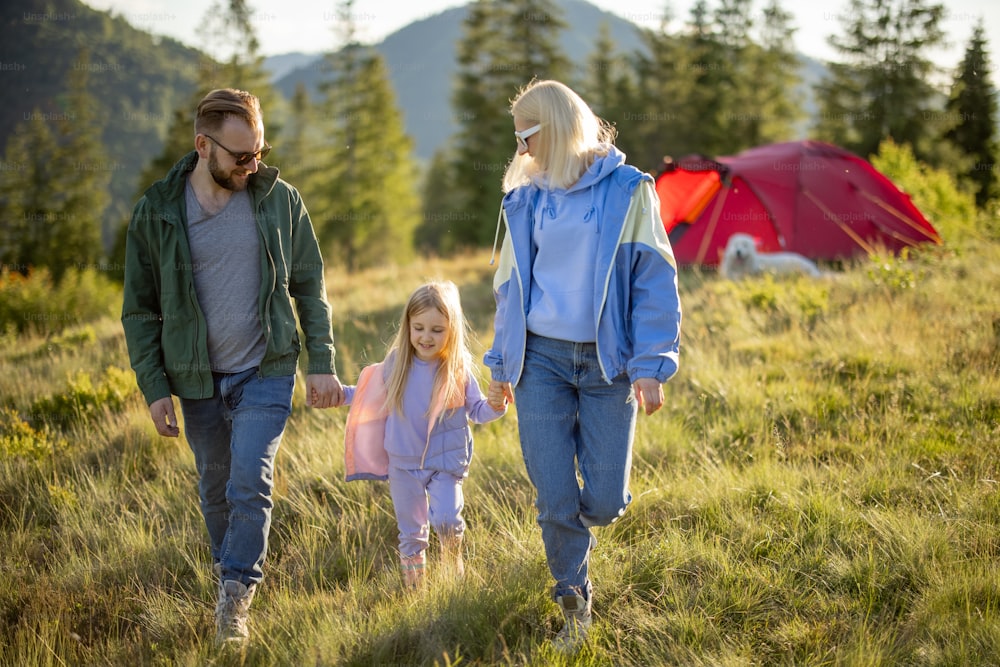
576, 613
232, 611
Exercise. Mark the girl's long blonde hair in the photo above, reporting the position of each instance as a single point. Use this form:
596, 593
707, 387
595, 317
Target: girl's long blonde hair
570, 138
456, 359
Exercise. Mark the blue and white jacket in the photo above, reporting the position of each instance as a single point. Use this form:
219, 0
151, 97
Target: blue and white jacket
636, 303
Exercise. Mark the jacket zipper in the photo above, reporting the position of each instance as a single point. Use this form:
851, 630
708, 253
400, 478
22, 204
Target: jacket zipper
604, 294
199, 362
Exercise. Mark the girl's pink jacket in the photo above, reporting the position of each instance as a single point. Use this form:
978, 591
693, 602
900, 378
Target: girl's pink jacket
364, 439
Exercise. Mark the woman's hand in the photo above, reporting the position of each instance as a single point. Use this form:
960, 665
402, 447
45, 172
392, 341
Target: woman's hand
649, 393
499, 395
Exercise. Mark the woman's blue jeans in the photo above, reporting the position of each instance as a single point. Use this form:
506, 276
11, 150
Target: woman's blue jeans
570, 420
235, 436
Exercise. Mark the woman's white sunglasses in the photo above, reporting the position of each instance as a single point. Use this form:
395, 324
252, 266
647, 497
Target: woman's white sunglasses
522, 136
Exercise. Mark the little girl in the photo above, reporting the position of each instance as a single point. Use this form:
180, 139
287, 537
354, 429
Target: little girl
409, 424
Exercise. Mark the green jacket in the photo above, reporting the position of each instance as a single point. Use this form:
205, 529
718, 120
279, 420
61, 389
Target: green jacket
164, 326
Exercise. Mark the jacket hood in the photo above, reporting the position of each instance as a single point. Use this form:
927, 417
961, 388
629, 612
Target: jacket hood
580, 200
601, 168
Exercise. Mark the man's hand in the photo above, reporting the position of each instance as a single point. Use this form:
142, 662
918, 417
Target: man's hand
164, 418
324, 391
649, 393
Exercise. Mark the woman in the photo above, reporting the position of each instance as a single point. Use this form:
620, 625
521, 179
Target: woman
587, 326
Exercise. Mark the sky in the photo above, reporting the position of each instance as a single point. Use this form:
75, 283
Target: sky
308, 25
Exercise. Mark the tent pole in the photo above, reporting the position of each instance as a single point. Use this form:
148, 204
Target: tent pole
716, 212
844, 228
902, 217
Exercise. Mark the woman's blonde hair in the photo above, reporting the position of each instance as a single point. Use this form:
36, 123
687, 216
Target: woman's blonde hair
570, 138
456, 359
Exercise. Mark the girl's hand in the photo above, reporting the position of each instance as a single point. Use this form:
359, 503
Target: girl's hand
324, 391
499, 395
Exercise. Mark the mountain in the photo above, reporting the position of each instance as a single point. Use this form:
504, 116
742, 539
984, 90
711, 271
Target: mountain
141, 80
137, 79
421, 60
283, 64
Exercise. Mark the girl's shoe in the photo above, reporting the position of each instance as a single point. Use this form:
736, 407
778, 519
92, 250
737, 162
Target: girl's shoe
451, 554
414, 570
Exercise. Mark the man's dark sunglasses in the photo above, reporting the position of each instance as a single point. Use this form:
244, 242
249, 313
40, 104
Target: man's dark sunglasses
243, 158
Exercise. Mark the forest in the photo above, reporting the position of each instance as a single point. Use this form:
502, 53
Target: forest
75, 163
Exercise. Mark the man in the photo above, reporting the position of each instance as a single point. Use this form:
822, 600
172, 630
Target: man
215, 253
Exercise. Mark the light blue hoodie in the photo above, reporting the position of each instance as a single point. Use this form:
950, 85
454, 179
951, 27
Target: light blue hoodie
635, 305
565, 234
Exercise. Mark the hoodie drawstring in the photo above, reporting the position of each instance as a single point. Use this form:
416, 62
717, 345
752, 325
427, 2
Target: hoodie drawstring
549, 209
496, 236
591, 210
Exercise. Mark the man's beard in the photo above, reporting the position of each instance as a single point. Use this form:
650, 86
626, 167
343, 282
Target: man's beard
224, 179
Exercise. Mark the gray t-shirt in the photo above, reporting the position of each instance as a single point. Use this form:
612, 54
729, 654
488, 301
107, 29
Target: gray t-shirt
225, 253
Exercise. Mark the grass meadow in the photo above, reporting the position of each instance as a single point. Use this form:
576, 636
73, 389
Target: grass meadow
821, 488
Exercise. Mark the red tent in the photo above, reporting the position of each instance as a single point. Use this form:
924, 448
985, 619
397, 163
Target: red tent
807, 197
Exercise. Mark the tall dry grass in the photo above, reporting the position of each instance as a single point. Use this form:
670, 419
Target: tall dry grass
821, 489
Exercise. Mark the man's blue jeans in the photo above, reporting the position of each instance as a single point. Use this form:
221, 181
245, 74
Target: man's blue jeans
235, 437
570, 419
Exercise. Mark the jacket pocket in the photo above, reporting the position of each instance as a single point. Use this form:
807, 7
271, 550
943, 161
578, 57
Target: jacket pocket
283, 325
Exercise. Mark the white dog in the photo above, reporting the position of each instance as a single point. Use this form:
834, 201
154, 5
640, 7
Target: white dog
742, 259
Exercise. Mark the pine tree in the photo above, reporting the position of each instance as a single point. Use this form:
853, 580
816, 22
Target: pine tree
83, 172
53, 201
882, 89
237, 64
751, 73
27, 193
362, 196
609, 87
442, 206
736, 118
505, 44
772, 71
658, 121
684, 88
972, 109
598, 86
296, 155
234, 59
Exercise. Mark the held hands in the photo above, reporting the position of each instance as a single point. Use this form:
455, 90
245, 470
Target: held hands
499, 395
324, 391
649, 393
